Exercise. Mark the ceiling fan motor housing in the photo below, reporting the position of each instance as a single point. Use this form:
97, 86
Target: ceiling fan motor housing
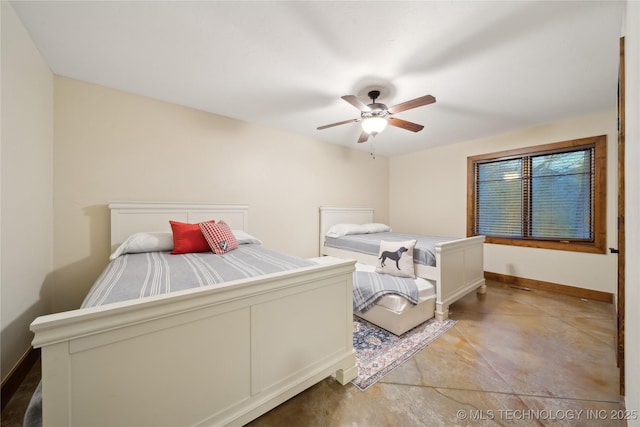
377, 110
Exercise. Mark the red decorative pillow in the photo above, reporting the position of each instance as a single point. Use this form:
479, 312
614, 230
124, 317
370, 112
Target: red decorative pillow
188, 238
219, 236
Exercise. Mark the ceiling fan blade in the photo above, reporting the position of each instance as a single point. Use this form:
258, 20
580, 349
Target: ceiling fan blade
413, 127
355, 101
364, 136
418, 102
339, 123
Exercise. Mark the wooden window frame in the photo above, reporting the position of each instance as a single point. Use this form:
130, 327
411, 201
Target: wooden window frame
599, 242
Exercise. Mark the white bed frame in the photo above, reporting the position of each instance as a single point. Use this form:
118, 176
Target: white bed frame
208, 356
459, 265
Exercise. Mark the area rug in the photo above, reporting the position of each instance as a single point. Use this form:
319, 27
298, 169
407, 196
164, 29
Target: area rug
378, 351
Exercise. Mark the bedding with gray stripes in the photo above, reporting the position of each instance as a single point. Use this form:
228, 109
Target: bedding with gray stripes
134, 276
424, 252
369, 287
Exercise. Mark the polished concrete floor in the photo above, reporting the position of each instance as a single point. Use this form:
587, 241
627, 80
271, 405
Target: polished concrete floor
515, 357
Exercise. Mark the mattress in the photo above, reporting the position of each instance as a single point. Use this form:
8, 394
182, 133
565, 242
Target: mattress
369, 243
134, 276
397, 303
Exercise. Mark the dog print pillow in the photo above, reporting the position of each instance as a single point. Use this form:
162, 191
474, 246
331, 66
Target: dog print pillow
396, 258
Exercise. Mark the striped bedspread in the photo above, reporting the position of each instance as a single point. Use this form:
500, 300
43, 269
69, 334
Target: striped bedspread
423, 253
369, 287
136, 276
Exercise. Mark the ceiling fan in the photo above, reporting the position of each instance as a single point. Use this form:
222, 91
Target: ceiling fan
376, 116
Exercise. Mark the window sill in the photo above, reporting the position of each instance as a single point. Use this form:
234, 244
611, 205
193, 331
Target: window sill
593, 248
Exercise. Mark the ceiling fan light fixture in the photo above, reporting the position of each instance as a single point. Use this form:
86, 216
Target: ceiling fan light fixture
374, 125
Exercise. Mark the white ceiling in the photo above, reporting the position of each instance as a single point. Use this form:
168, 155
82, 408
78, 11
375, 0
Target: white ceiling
492, 66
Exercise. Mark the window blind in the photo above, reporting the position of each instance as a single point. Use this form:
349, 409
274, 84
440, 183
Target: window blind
538, 196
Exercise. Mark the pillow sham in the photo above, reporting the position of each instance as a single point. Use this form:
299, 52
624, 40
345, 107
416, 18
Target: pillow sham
396, 258
376, 227
144, 242
245, 238
219, 237
188, 238
340, 230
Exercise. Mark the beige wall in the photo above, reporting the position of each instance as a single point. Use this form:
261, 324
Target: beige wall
26, 214
428, 194
112, 145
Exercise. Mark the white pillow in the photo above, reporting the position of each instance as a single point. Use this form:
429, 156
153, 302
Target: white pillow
396, 258
245, 238
340, 230
376, 227
145, 242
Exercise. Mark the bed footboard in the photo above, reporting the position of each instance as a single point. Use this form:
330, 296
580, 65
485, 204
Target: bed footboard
460, 268
207, 356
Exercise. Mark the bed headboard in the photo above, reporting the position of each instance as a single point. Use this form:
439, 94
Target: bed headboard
128, 218
330, 216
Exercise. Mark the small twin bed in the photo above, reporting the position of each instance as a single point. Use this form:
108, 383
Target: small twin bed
193, 338
449, 267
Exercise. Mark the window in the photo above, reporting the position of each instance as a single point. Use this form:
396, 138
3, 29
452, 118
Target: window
552, 196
